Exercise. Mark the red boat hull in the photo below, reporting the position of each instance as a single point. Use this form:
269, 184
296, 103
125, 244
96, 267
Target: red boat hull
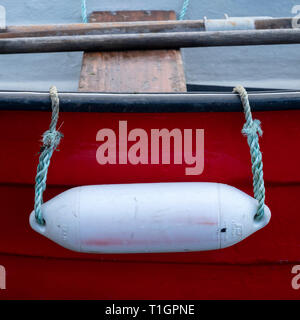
258, 267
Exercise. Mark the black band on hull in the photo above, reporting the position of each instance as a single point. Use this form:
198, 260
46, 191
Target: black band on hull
149, 103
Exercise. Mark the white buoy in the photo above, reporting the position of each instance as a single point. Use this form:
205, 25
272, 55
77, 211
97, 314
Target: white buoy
154, 217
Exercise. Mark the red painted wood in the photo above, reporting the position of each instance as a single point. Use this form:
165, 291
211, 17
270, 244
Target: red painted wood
226, 160
40, 278
253, 269
227, 156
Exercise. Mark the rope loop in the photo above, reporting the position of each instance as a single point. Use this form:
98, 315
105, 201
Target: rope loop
51, 139
252, 130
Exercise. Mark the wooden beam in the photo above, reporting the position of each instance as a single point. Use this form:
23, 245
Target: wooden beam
97, 28
150, 41
101, 28
133, 71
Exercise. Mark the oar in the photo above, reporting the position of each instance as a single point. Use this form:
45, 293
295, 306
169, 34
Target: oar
144, 41
258, 23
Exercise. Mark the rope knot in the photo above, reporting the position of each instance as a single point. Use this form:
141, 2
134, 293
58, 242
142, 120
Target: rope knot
51, 139
252, 129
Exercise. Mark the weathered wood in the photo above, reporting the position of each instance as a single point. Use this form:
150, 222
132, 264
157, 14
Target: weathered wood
97, 28
102, 28
276, 23
150, 41
133, 71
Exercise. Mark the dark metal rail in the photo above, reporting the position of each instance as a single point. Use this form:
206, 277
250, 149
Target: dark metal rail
149, 103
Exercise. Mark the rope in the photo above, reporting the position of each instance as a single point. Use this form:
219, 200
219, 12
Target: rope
84, 11
252, 131
184, 8
51, 139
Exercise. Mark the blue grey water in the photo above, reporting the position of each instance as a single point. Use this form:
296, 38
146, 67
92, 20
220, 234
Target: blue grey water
260, 66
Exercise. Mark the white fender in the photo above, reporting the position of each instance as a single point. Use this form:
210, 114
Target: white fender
154, 217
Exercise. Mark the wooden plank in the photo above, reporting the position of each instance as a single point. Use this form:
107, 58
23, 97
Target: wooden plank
97, 28
127, 16
132, 71
42, 278
102, 28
